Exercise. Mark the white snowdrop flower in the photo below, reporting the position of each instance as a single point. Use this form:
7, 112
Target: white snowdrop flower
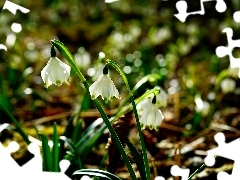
151, 116
105, 87
55, 72
228, 85
162, 98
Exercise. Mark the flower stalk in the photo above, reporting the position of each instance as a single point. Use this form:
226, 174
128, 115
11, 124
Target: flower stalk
145, 159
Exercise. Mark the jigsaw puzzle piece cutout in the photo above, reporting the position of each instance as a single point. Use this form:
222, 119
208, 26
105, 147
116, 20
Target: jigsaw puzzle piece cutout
182, 7
222, 51
5, 156
12, 7
64, 165
36, 161
220, 6
227, 150
210, 158
226, 176
236, 16
177, 171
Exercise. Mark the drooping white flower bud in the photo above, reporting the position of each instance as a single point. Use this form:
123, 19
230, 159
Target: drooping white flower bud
105, 87
151, 116
55, 72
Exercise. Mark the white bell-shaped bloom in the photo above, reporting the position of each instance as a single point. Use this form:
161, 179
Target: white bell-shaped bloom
151, 116
105, 87
228, 85
55, 72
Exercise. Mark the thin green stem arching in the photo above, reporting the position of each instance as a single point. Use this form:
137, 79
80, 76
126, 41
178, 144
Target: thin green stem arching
119, 70
67, 54
145, 159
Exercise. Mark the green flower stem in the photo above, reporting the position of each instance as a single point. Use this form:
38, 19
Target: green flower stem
67, 54
198, 170
145, 159
113, 134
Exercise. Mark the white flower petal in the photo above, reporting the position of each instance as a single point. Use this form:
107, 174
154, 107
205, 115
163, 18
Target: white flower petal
55, 72
151, 117
105, 87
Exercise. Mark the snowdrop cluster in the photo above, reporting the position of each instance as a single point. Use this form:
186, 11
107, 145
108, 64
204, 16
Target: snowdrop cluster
56, 72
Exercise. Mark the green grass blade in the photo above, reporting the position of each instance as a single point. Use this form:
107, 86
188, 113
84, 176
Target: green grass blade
77, 131
69, 127
46, 154
73, 150
89, 132
55, 150
67, 133
138, 160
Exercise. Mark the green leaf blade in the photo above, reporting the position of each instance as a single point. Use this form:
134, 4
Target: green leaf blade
55, 151
46, 153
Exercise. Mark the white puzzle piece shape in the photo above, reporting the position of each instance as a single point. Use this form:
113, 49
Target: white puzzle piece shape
182, 7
